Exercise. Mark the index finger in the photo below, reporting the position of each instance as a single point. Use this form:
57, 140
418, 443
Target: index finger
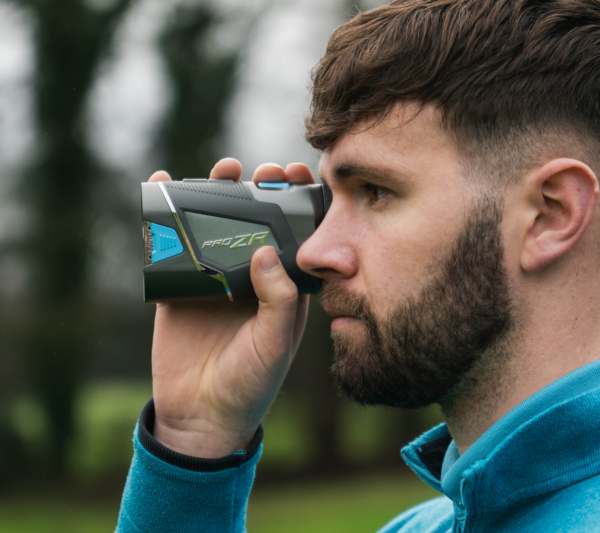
226, 169
159, 175
298, 173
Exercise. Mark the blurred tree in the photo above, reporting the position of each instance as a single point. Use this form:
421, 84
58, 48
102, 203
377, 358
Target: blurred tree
202, 82
70, 39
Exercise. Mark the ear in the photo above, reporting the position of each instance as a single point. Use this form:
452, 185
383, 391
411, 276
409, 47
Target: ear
562, 197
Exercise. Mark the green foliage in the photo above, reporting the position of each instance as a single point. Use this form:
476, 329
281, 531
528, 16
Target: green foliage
286, 444
105, 418
106, 414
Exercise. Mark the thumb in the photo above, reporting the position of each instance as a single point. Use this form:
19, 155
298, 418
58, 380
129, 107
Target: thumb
278, 300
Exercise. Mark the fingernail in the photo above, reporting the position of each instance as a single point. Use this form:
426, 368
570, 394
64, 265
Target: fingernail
269, 261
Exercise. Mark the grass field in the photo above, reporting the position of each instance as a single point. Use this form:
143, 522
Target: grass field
361, 505
358, 505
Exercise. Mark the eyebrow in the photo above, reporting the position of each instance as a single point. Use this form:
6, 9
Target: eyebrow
380, 175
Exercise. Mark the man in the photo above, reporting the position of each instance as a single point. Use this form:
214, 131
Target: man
461, 259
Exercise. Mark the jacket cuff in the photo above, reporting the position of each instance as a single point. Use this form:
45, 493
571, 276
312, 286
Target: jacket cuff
187, 462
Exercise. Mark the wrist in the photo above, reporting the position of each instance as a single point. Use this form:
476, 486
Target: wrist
200, 438
187, 462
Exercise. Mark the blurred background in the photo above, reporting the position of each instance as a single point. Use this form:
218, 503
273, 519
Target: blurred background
94, 96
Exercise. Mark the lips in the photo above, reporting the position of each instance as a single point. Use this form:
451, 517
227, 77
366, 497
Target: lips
337, 313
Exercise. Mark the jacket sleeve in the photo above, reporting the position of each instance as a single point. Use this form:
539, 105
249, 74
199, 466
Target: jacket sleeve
168, 492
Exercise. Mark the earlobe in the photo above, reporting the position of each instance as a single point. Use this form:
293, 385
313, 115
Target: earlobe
563, 194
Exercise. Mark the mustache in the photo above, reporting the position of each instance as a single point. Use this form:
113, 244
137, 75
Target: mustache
335, 295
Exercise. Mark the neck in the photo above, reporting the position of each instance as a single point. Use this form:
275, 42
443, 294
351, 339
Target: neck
510, 373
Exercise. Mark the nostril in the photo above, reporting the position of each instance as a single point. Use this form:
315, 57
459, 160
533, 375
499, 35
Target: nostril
323, 272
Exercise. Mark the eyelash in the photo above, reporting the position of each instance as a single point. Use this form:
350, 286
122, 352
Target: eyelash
372, 190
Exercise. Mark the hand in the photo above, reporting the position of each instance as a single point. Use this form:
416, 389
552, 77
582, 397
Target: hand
217, 367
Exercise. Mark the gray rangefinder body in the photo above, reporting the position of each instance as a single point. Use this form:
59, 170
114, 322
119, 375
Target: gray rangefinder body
200, 235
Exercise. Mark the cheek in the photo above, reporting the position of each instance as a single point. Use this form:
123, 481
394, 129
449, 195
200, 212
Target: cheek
397, 257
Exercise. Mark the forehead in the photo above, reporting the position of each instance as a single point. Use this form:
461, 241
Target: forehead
408, 142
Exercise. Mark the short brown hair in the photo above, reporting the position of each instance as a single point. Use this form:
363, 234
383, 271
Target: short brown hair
492, 68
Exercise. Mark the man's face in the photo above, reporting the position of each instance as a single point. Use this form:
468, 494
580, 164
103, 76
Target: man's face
412, 256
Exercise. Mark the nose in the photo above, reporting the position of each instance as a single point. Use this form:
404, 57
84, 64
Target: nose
329, 253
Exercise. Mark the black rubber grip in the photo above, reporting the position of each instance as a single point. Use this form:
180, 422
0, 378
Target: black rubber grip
245, 292
306, 284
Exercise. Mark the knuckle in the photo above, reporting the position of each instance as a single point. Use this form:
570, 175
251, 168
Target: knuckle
288, 292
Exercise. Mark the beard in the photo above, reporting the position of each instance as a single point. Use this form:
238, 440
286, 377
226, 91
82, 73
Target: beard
433, 346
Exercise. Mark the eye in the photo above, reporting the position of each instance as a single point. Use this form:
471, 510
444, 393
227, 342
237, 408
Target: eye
374, 192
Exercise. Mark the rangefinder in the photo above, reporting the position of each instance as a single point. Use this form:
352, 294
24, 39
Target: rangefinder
200, 235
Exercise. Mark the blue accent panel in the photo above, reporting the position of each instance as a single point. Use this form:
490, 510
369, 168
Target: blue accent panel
165, 243
273, 185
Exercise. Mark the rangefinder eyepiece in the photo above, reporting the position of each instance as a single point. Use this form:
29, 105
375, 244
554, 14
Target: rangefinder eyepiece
200, 235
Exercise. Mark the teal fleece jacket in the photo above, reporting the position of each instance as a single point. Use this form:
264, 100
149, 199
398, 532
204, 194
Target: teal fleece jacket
537, 470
